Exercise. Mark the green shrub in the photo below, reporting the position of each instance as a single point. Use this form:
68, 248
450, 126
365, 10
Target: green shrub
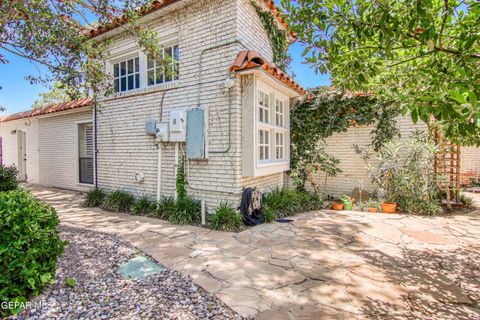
118, 201
466, 200
8, 178
143, 206
269, 215
94, 197
226, 218
165, 208
187, 211
29, 246
282, 202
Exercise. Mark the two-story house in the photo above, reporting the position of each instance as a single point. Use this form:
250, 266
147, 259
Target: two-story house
224, 108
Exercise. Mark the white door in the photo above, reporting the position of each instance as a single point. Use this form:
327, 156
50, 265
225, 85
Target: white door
22, 155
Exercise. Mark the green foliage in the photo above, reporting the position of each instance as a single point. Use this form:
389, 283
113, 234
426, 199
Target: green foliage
51, 34
466, 200
8, 178
57, 94
94, 197
165, 208
329, 112
278, 38
421, 55
282, 202
143, 206
187, 211
269, 215
410, 182
29, 246
118, 201
180, 180
226, 218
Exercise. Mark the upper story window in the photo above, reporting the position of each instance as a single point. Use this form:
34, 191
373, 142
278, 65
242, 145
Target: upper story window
279, 113
126, 75
158, 74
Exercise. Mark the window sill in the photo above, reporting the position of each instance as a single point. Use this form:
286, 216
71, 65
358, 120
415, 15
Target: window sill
149, 89
266, 169
82, 184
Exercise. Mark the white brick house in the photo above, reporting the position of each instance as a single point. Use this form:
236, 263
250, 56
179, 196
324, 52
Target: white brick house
223, 55
245, 136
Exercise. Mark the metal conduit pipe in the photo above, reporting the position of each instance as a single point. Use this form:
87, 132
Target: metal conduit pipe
200, 71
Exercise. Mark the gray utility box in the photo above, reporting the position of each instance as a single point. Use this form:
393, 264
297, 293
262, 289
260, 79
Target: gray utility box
196, 133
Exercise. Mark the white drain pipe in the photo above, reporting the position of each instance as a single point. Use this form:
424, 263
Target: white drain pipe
159, 171
177, 144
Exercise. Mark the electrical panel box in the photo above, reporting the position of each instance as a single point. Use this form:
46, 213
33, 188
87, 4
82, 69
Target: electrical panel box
177, 124
196, 134
151, 127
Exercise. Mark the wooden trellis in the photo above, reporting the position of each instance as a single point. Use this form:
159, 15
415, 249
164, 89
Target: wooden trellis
447, 167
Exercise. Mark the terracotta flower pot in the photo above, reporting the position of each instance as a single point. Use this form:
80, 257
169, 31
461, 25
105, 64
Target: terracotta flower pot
374, 210
389, 207
337, 206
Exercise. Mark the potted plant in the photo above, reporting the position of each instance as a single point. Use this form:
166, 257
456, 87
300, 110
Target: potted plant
384, 173
337, 205
347, 202
373, 206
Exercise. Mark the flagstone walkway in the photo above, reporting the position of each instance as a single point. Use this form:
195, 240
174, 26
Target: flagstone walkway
324, 265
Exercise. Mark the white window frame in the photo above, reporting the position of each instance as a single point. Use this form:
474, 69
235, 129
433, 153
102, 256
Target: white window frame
132, 52
174, 64
271, 126
125, 59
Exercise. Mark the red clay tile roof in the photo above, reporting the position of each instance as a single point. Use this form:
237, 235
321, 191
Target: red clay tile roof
249, 59
75, 104
159, 4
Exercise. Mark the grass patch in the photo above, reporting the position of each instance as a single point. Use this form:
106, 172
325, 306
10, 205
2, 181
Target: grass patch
94, 198
143, 206
118, 201
226, 218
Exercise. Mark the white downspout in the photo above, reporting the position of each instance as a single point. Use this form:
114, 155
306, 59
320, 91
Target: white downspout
159, 170
175, 166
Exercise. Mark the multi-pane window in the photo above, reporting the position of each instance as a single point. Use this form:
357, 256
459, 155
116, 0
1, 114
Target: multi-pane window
263, 145
272, 129
264, 107
279, 146
279, 113
158, 72
126, 75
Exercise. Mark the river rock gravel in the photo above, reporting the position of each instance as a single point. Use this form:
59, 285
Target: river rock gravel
93, 259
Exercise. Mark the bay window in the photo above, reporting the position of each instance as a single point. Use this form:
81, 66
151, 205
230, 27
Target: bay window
272, 127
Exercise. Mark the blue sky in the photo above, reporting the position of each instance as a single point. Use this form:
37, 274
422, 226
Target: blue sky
18, 94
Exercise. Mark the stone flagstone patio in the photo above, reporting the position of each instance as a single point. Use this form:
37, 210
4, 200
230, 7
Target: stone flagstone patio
324, 265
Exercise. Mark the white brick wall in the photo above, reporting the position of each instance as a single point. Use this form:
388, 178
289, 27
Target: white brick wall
58, 149
9, 144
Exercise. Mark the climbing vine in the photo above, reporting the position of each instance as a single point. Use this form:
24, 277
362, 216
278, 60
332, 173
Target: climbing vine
278, 38
180, 180
329, 112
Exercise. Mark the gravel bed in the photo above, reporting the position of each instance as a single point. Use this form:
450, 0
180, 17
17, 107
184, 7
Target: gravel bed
92, 259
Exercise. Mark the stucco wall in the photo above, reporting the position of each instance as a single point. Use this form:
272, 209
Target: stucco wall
58, 149
10, 150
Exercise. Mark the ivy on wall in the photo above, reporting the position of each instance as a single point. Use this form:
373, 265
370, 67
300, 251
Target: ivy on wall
278, 38
324, 113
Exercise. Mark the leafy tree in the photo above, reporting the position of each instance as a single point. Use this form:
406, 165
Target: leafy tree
57, 94
423, 55
55, 34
